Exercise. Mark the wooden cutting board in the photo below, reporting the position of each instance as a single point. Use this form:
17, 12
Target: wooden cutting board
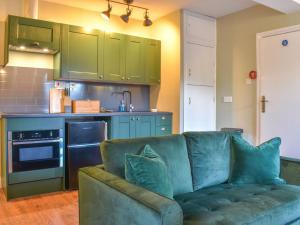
56, 104
85, 106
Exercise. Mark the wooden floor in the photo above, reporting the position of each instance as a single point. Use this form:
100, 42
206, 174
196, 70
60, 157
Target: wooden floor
50, 209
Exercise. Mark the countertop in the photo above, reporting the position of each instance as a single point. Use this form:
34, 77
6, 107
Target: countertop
70, 115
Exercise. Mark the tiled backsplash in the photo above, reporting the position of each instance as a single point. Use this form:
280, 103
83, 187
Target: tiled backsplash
26, 90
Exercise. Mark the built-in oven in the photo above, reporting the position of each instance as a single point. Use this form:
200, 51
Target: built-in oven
35, 150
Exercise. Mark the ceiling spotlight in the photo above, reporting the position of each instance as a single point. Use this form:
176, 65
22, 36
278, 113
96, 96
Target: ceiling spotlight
147, 21
128, 1
125, 17
106, 14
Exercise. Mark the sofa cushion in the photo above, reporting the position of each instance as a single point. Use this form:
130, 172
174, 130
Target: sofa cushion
253, 204
256, 165
172, 150
148, 170
209, 154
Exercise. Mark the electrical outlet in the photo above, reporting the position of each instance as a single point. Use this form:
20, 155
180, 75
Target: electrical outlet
227, 99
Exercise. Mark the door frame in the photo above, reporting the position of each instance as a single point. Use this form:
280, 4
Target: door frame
259, 37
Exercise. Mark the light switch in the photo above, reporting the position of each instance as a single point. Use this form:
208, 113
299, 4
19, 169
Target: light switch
227, 99
248, 81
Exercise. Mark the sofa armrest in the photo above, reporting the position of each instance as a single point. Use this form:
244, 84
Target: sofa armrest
105, 199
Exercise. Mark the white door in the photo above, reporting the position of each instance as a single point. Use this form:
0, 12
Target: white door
199, 108
200, 65
279, 71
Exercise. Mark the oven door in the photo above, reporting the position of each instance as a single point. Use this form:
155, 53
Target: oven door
35, 155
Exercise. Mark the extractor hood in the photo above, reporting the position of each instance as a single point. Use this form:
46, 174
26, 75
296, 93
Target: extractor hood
30, 10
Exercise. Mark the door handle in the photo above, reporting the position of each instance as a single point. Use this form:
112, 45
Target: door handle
190, 100
263, 103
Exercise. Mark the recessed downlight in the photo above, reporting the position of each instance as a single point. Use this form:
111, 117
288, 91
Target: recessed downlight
45, 50
22, 47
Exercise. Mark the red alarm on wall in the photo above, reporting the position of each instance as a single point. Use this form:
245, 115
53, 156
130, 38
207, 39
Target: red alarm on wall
253, 75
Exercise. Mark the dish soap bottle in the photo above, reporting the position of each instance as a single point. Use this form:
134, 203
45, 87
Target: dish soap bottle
122, 107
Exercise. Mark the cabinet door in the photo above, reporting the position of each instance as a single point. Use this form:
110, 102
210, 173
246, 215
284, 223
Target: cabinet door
200, 65
163, 130
145, 126
152, 61
34, 33
82, 53
114, 60
199, 108
134, 57
201, 29
121, 127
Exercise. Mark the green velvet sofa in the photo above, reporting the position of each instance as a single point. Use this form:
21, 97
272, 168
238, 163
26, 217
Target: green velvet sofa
199, 164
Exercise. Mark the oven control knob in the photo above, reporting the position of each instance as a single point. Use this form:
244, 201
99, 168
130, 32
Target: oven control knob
21, 136
51, 134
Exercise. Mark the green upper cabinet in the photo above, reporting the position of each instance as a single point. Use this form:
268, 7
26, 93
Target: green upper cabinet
33, 33
114, 57
152, 61
82, 53
134, 59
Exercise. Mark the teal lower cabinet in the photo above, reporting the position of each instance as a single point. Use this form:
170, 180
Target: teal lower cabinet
124, 127
32, 163
163, 124
120, 127
144, 126
34, 188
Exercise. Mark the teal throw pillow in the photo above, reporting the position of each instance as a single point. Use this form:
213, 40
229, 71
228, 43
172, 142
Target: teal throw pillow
256, 165
149, 171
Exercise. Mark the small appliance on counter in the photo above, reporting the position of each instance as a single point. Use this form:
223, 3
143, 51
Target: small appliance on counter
86, 106
83, 147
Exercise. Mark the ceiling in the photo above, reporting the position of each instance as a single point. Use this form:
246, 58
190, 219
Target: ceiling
159, 8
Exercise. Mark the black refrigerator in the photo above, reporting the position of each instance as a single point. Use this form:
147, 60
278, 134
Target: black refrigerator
82, 147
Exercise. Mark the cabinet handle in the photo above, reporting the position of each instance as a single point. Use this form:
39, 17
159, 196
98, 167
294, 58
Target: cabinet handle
190, 72
128, 78
101, 77
190, 100
132, 118
163, 129
123, 78
163, 118
138, 118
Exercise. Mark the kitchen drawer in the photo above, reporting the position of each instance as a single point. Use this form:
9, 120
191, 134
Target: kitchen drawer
163, 130
163, 119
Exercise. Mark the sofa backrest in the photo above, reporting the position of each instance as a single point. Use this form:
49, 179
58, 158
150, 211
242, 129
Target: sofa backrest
210, 157
172, 149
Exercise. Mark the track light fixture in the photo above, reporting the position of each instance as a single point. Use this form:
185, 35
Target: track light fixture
147, 21
125, 17
106, 14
